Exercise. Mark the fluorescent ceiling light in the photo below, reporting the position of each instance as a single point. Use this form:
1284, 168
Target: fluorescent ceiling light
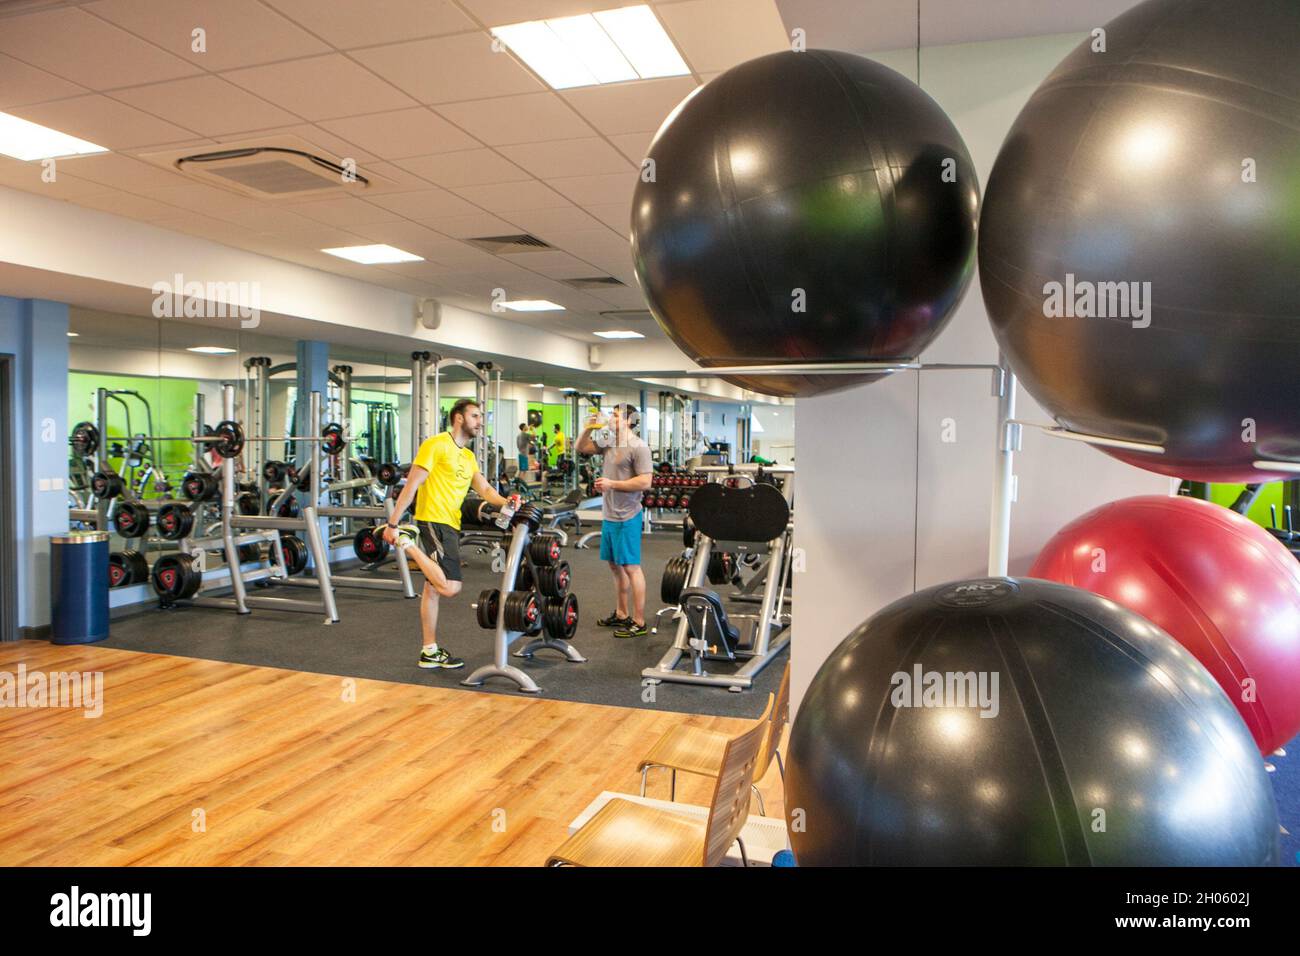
25, 140
606, 47
73, 335
643, 41
537, 385
620, 334
532, 305
373, 255
596, 394
211, 349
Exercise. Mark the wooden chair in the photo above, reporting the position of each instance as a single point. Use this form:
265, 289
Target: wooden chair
696, 750
623, 833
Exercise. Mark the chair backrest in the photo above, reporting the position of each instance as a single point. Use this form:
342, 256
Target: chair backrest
730, 805
780, 717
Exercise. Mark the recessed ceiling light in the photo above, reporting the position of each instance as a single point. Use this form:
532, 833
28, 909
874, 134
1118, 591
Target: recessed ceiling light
25, 140
532, 305
537, 385
73, 335
593, 48
373, 255
620, 334
211, 349
596, 394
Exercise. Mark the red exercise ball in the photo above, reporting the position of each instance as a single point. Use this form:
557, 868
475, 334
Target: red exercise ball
1220, 585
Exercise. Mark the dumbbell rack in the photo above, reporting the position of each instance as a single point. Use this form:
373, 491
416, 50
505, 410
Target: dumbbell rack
524, 525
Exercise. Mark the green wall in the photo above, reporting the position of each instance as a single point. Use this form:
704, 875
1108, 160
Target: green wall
170, 399
1270, 494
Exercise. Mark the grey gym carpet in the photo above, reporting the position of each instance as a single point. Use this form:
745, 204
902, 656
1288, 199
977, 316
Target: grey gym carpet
378, 637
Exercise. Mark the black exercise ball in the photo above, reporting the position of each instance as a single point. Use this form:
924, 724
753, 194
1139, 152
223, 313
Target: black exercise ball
1172, 158
818, 171
1106, 743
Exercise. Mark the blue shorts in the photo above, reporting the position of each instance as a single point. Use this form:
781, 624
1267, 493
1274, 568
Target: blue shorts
620, 541
523, 462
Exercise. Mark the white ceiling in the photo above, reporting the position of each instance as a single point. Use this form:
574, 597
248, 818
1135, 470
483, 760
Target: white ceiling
466, 141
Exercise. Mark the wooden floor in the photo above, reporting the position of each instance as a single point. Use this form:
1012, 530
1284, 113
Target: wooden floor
287, 772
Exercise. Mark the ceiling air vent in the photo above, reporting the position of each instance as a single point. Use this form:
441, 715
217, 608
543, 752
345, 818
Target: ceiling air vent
505, 244
271, 172
593, 282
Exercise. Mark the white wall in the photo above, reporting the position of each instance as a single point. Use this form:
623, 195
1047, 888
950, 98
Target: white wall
884, 505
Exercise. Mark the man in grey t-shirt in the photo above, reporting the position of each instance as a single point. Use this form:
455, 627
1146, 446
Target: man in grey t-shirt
627, 472
522, 444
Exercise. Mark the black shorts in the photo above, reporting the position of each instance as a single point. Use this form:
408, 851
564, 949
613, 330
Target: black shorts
442, 542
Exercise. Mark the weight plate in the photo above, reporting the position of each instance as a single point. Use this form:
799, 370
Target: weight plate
84, 439
175, 578
175, 521
131, 519
295, 553
369, 545
485, 611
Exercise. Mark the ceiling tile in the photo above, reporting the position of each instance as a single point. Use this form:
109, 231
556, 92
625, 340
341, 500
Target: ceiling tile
28, 177
569, 157
237, 32
530, 118
623, 297
635, 146
211, 201
397, 180
562, 220
104, 121
133, 207
321, 87
401, 133
344, 211
594, 244
717, 34
304, 135
495, 13
208, 104
121, 172
505, 198
598, 190
448, 69
403, 234
316, 236
84, 49
472, 167
555, 264
618, 216
20, 83
424, 203
635, 107
350, 25
471, 225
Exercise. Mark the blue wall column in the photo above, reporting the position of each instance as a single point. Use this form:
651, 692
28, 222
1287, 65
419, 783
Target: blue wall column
34, 335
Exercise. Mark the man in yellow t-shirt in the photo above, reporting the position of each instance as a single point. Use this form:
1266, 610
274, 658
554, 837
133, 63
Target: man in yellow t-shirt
557, 444
443, 472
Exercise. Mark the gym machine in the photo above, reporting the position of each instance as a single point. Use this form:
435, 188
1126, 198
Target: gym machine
740, 516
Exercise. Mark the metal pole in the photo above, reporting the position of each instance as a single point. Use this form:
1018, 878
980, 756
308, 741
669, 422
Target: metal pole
1004, 480
198, 428
228, 509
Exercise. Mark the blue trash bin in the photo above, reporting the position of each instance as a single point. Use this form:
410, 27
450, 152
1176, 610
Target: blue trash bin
79, 587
